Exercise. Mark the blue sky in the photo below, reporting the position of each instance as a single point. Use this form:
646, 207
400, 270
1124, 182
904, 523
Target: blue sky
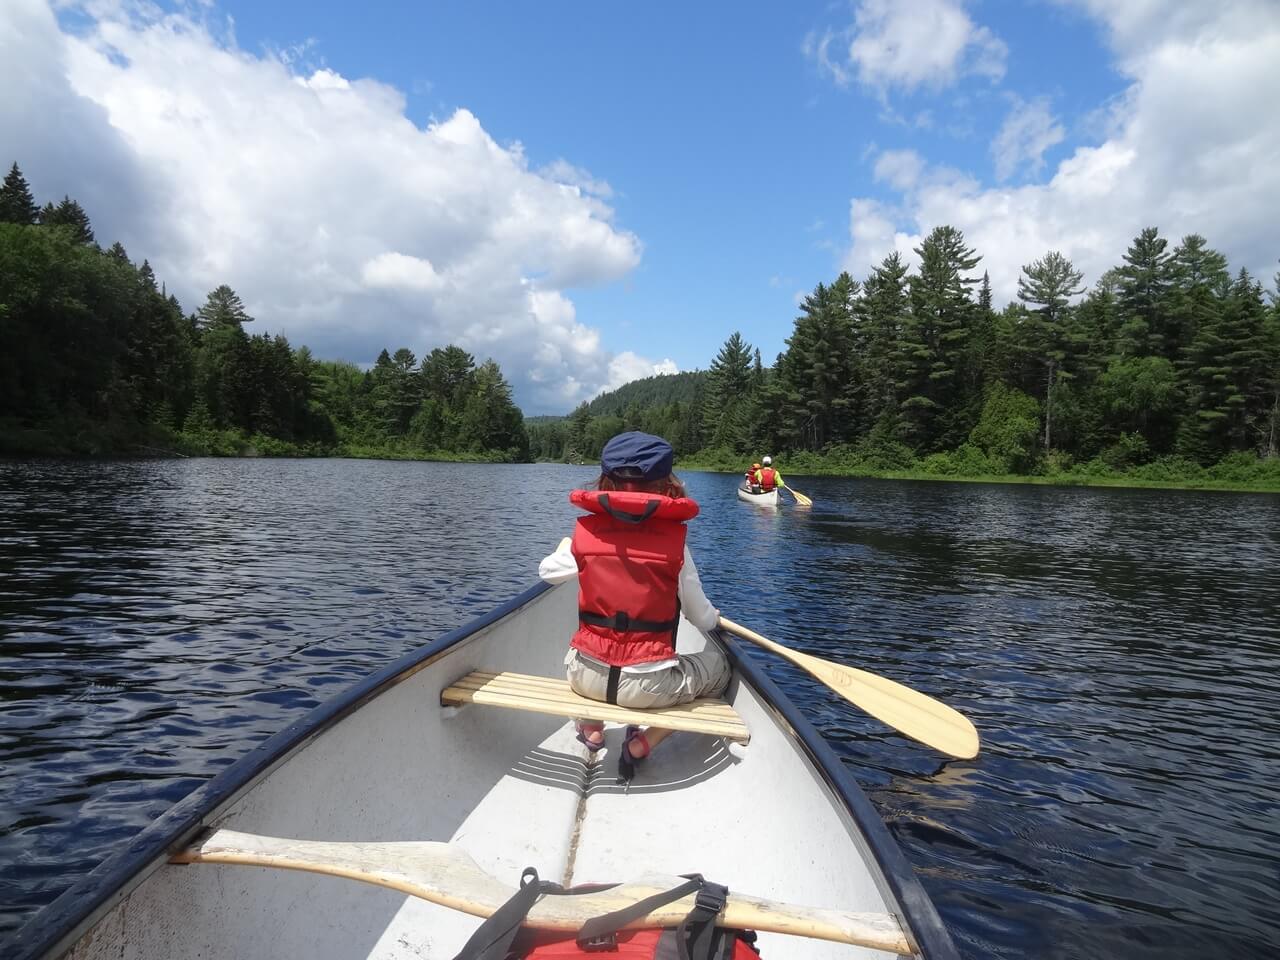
595, 192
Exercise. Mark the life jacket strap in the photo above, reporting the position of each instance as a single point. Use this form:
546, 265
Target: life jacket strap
624, 624
650, 509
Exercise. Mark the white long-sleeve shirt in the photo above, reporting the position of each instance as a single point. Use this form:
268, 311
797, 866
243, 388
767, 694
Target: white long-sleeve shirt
561, 566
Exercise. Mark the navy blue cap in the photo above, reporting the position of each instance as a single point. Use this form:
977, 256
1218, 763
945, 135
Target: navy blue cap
637, 456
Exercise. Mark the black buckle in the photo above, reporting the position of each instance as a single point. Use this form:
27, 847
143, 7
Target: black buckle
622, 621
607, 943
711, 898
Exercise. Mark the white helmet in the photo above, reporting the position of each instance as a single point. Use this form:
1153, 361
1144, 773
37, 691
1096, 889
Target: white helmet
767, 461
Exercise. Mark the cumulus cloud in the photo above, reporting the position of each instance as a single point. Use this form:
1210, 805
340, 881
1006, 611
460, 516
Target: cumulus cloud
908, 45
340, 222
1027, 132
1191, 147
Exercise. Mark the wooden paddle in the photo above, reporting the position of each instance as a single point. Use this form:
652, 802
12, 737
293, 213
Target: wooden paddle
445, 874
908, 711
800, 497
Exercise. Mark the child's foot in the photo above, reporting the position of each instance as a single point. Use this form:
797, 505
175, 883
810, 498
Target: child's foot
590, 734
635, 746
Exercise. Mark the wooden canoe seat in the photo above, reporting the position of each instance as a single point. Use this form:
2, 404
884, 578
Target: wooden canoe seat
519, 691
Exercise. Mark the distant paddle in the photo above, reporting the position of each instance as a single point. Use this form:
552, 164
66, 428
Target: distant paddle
908, 711
800, 497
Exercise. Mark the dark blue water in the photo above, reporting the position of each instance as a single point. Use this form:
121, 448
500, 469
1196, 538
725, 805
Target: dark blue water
1118, 650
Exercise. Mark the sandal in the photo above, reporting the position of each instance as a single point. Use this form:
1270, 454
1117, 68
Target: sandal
582, 729
626, 762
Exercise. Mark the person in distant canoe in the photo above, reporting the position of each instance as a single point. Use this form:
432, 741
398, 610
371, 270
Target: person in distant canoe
752, 484
635, 578
767, 477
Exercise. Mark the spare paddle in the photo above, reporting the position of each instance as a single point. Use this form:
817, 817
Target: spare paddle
908, 711
445, 874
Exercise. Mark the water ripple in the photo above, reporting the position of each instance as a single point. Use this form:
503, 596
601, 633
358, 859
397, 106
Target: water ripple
1117, 649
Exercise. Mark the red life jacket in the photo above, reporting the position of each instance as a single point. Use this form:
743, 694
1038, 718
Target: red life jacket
637, 945
629, 552
767, 478
503, 937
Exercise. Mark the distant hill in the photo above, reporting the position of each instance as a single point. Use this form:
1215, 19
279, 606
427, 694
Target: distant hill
658, 391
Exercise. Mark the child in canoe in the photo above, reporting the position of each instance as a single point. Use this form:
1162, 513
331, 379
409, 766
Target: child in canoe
635, 578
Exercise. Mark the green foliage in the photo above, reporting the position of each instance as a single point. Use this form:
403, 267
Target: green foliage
1005, 434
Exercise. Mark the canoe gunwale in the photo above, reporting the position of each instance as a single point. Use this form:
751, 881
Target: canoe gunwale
58, 926
55, 928
921, 923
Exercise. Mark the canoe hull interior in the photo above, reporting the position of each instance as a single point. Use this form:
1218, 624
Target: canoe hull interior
514, 789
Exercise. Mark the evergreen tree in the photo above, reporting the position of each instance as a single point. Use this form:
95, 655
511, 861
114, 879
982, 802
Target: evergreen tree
727, 404
1048, 285
1144, 283
16, 203
69, 215
223, 307
936, 411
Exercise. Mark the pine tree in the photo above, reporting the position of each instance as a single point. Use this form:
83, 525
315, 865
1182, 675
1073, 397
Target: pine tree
729, 402
1144, 283
1048, 285
223, 307
69, 215
887, 313
936, 411
16, 202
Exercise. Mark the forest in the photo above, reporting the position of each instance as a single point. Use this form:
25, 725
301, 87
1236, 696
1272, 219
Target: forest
97, 359
1166, 368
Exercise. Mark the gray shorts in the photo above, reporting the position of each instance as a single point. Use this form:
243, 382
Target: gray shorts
702, 674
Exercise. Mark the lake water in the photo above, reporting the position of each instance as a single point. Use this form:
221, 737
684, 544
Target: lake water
1118, 651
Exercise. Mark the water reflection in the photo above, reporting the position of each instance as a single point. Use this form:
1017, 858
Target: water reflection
1117, 650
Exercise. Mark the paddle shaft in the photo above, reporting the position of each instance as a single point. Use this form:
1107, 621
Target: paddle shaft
906, 710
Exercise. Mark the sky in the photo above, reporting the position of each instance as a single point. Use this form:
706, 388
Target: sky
592, 193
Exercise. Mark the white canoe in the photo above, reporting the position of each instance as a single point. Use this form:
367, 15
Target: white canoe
777, 818
769, 499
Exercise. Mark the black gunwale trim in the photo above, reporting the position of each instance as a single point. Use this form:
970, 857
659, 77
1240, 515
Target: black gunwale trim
56, 927
924, 926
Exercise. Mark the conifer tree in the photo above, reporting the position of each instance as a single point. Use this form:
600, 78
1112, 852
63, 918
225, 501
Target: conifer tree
728, 401
1143, 289
936, 412
1048, 285
16, 203
70, 215
223, 307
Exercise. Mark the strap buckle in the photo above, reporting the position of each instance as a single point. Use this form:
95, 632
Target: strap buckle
711, 897
605, 943
622, 621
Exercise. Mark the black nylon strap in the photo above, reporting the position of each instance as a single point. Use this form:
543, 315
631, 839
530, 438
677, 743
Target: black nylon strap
599, 928
698, 940
623, 623
611, 690
492, 939
650, 509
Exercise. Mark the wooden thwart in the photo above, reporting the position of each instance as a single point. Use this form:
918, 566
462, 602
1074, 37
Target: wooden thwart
444, 874
520, 691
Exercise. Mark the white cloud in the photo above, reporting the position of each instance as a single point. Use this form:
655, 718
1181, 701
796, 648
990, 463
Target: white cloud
339, 221
627, 366
1027, 132
1190, 147
396, 271
908, 45
901, 169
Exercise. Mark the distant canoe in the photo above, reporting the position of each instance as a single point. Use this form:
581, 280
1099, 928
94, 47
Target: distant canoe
769, 499
385, 766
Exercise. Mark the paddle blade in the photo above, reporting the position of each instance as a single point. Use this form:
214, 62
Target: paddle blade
908, 711
800, 497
